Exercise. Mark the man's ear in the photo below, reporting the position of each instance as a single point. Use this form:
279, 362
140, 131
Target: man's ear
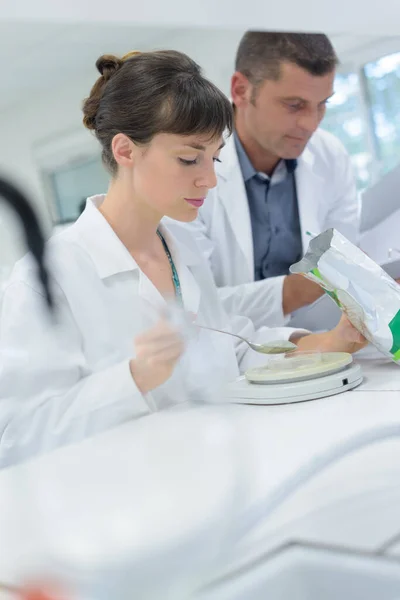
241, 89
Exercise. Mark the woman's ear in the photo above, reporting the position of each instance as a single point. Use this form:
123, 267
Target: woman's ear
123, 150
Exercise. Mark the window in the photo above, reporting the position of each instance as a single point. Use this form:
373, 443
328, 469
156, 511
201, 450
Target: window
383, 85
72, 170
73, 183
345, 120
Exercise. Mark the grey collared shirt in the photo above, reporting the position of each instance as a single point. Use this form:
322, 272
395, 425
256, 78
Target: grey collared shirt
274, 216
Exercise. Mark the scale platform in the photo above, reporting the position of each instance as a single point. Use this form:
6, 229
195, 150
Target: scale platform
332, 374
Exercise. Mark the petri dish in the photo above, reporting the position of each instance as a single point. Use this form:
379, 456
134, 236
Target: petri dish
299, 366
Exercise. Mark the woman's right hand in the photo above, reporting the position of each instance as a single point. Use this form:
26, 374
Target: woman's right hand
157, 352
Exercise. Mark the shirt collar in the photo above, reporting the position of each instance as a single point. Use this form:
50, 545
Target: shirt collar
95, 235
291, 164
248, 171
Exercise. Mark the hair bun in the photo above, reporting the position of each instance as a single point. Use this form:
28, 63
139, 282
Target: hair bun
108, 64
89, 121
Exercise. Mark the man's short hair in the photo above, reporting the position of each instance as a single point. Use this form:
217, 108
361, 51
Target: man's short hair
260, 54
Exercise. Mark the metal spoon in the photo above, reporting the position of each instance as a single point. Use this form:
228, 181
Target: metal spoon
275, 347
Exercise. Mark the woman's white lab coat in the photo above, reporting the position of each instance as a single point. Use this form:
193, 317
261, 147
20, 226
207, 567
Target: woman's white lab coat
61, 382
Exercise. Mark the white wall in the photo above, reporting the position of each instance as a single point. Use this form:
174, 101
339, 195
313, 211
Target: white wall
23, 131
350, 16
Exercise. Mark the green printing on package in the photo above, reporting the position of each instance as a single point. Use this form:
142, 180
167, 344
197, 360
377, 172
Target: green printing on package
394, 327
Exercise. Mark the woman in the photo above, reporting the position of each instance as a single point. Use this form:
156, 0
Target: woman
160, 124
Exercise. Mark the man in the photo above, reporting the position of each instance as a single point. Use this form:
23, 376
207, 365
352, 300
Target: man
279, 178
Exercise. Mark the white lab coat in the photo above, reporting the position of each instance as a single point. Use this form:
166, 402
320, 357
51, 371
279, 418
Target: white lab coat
62, 382
327, 197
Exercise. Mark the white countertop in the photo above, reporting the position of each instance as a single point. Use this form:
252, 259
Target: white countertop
250, 453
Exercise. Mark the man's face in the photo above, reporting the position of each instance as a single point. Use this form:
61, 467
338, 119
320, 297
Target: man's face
281, 116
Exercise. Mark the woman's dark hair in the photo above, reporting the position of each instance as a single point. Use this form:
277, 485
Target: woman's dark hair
147, 93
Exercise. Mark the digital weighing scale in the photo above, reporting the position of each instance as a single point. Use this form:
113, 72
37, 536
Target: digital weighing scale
296, 378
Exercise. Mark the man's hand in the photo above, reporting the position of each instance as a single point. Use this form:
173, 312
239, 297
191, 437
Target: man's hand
299, 291
343, 338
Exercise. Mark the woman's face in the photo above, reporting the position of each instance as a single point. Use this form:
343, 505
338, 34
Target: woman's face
174, 173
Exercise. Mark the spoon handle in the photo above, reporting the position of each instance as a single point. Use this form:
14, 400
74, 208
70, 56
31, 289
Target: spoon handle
226, 333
